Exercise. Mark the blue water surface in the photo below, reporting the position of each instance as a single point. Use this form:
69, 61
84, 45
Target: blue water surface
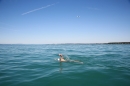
37, 65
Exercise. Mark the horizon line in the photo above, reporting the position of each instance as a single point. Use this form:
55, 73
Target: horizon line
71, 43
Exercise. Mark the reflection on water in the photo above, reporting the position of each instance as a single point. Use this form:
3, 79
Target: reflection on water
60, 67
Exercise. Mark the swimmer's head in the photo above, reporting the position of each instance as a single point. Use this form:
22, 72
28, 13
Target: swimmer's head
60, 54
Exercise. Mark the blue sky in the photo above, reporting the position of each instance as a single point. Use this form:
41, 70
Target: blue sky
56, 21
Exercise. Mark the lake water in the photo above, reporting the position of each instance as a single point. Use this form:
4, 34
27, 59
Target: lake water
37, 65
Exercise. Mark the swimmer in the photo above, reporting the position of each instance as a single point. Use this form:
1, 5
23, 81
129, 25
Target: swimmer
62, 58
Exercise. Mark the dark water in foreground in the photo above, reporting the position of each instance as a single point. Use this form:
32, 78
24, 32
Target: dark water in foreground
36, 65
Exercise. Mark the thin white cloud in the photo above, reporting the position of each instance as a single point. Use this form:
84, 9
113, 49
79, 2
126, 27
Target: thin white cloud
38, 9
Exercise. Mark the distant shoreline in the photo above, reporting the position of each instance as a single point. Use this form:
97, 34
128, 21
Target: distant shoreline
118, 43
